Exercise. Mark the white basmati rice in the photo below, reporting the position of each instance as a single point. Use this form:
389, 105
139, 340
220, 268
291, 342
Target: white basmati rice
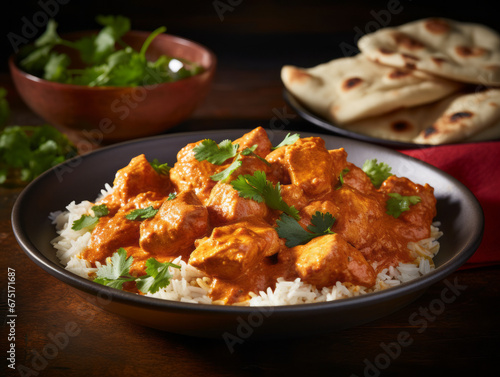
188, 284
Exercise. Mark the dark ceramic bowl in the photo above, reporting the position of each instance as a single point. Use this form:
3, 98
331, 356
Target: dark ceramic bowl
82, 179
121, 113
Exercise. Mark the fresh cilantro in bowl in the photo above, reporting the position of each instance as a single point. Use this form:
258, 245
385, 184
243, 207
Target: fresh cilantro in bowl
107, 59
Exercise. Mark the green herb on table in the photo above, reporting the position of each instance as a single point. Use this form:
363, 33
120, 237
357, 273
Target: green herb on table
397, 204
89, 221
377, 172
289, 228
105, 64
28, 151
116, 272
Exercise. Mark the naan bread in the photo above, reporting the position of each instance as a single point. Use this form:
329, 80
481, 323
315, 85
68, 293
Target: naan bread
347, 89
461, 116
460, 51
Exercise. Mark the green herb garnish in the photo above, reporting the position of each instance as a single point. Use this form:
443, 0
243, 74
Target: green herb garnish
288, 140
116, 271
162, 169
141, 213
397, 204
341, 178
289, 228
215, 153
172, 196
88, 221
258, 188
377, 172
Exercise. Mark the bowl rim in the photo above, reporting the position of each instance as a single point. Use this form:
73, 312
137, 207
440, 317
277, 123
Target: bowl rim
209, 70
411, 287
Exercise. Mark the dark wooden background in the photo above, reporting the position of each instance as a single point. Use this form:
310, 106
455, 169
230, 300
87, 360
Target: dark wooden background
252, 40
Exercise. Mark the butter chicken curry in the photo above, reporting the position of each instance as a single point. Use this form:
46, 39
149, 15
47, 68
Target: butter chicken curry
236, 240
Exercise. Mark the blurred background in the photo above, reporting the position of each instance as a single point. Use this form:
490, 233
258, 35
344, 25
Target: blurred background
275, 30
253, 37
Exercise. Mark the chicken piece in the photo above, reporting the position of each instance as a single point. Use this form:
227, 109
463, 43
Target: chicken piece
277, 170
358, 214
173, 230
358, 179
190, 174
364, 223
327, 259
226, 206
257, 136
418, 219
326, 206
137, 177
110, 234
310, 166
293, 196
232, 250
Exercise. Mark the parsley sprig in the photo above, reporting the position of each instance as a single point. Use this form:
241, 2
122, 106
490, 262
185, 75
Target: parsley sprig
289, 229
258, 188
397, 203
116, 272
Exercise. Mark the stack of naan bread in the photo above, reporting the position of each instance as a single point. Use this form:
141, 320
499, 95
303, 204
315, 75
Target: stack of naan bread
431, 81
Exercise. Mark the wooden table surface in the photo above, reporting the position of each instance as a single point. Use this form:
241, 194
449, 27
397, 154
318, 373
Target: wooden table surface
461, 336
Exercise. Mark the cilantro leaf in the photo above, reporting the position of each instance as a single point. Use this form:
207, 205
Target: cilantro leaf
141, 213
116, 271
341, 178
397, 203
87, 221
288, 140
289, 228
157, 276
258, 188
172, 196
30, 150
377, 172
228, 171
215, 153
160, 168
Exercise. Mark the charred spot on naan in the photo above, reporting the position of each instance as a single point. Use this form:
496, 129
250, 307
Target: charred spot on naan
428, 131
351, 83
386, 51
438, 60
405, 41
401, 126
399, 73
469, 51
437, 26
456, 117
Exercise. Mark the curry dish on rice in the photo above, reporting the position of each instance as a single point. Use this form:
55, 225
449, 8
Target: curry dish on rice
235, 240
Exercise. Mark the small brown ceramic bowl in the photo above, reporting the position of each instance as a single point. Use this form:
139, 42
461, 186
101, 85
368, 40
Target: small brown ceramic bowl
121, 113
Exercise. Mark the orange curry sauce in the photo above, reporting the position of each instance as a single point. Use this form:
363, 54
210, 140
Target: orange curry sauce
234, 241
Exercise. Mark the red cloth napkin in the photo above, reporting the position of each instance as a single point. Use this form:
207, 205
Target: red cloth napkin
476, 165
